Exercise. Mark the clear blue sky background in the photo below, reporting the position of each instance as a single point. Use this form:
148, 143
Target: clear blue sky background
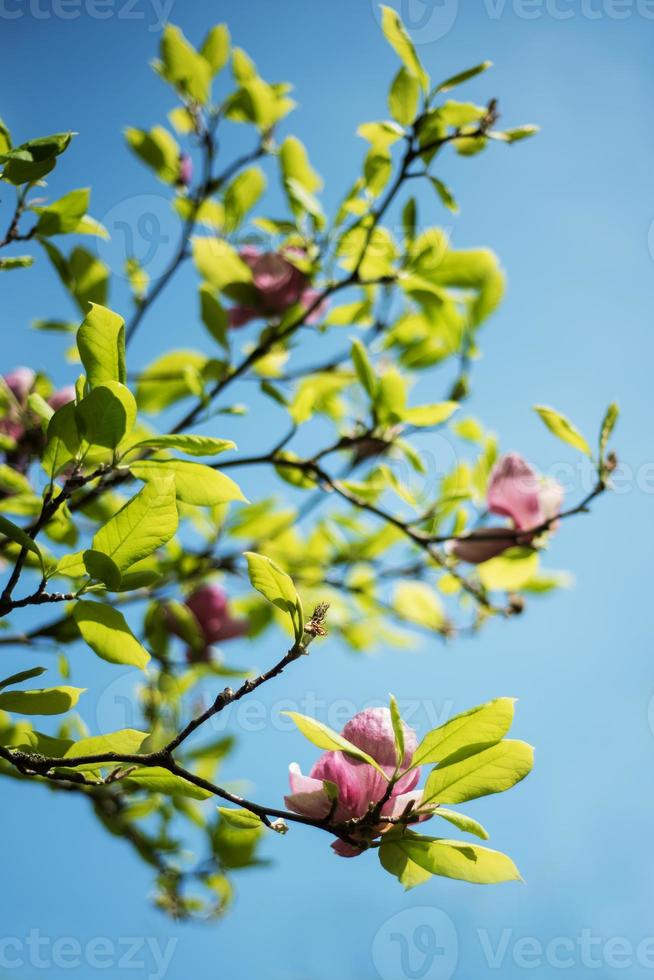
569, 214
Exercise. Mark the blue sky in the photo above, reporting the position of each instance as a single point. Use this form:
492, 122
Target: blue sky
569, 214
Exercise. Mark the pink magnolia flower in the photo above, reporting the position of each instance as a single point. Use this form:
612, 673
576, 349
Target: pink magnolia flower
359, 784
516, 491
20, 382
62, 397
278, 285
210, 606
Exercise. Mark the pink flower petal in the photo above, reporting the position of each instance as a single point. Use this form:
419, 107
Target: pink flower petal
372, 731
345, 850
514, 491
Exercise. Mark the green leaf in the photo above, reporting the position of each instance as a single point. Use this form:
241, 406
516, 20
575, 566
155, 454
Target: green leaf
403, 97
445, 194
297, 172
158, 149
214, 316
219, 263
482, 726
325, 738
101, 345
16, 262
277, 587
461, 77
99, 566
462, 822
394, 860
364, 369
23, 675
127, 741
418, 602
63, 216
510, 571
215, 48
455, 859
241, 196
195, 483
145, 523
106, 631
32, 160
107, 414
182, 66
240, 819
563, 429
430, 414
517, 134
168, 379
191, 445
40, 407
493, 770
607, 427
396, 35
158, 780
47, 701
64, 439
15, 533
398, 729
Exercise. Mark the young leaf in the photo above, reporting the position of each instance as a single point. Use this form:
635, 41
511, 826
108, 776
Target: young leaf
47, 701
191, 445
240, 819
430, 414
23, 675
145, 523
158, 780
398, 729
492, 770
396, 35
403, 97
277, 587
445, 194
607, 427
482, 726
127, 741
394, 860
325, 738
107, 414
563, 429
15, 533
417, 602
195, 483
461, 77
364, 369
215, 48
462, 822
107, 633
101, 345
455, 859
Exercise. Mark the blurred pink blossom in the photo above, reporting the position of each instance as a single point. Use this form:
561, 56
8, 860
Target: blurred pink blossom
516, 491
210, 606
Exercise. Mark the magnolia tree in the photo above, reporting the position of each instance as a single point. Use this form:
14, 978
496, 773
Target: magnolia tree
142, 552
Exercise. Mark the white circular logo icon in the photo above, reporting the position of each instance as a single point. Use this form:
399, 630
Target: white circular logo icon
144, 228
416, 944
